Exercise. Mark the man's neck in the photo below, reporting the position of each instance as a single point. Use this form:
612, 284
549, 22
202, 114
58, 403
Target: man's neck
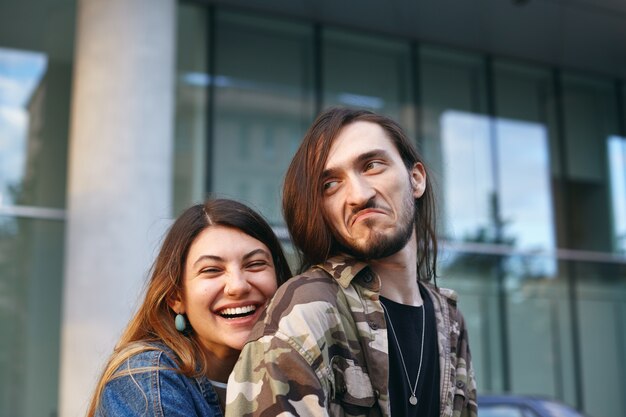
398, 275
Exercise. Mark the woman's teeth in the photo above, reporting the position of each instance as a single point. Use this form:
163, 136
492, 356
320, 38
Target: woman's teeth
232, 313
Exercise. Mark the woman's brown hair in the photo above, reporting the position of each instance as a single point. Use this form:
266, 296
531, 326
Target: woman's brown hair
302, 191
154, 320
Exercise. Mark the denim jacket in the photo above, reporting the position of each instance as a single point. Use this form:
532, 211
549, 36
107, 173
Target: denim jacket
160, 390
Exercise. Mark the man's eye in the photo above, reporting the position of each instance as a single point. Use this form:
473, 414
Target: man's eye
329, 184
372, 165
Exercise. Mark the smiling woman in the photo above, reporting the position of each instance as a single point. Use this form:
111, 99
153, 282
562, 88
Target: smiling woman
219, 265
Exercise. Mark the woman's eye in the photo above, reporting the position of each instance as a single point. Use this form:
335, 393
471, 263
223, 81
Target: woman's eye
257, 265
209, 270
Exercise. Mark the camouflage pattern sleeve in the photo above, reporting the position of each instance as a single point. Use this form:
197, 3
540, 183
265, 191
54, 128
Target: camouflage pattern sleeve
273, 378
465, 379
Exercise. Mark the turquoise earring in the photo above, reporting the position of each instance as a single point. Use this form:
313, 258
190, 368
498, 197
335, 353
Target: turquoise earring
180, 322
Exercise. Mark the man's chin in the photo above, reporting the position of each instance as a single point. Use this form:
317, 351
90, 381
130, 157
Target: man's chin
374, 248
375, 244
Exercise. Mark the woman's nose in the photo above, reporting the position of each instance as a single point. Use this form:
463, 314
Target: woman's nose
236, 284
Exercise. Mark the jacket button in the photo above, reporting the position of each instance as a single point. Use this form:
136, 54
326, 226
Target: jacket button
373, 325
460, 384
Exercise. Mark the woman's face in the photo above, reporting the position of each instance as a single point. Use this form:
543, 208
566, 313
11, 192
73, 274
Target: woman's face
229, 277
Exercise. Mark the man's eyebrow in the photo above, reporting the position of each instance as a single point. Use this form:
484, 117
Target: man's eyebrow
375, 153
366, 156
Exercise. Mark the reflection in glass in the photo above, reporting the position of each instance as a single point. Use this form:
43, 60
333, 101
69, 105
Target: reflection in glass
616, 147
452, 85
21, 73
467, 185
527, 157
524, 181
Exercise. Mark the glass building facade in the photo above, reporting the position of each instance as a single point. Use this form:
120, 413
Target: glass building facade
528, 160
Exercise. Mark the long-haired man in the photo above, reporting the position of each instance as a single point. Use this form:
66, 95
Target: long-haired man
361, 331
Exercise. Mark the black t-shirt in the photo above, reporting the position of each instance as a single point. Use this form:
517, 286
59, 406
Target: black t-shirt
407, 322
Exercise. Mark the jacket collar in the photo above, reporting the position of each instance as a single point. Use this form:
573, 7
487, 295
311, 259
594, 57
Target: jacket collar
342, 268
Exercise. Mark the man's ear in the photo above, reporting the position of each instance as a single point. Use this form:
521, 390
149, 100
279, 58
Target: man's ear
418, 179
176, 303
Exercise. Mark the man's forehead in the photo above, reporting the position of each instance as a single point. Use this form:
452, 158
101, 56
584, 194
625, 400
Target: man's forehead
358, 140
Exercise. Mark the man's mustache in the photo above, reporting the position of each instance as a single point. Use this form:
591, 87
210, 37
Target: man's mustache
369, 204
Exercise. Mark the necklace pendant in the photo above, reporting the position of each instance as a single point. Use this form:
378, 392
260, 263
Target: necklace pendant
413, 400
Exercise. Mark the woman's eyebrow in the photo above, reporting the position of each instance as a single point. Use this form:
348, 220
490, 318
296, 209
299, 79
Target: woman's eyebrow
255, 252
208, 257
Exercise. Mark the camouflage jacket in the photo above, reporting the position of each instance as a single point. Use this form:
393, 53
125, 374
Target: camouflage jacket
321, 350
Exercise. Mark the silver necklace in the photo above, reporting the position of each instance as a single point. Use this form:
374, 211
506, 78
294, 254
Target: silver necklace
412, 398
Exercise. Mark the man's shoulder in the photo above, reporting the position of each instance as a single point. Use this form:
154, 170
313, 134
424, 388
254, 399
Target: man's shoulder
311, 287
442, 294
307, 303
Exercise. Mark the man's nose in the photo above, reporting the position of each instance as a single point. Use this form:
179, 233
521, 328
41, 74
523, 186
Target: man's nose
360, 191
236, 284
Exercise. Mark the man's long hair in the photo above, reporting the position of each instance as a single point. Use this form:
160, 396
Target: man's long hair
303, 191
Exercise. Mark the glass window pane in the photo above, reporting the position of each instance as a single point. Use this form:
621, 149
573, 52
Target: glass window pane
526, 154
601, 293
34, 111
385, 87
456, 141
36, 50
191, 106
539, 322
263, 106
474, 277
31, 254
590, 119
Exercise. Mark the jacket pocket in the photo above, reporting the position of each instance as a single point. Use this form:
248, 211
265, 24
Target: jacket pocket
352, 385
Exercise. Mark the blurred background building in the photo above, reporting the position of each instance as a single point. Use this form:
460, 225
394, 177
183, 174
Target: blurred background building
115, 115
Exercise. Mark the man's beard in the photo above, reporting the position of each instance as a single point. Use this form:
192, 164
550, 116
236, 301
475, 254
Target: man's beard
380, 245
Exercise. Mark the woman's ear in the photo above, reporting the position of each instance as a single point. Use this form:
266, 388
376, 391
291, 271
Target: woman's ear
176, 303
418, 179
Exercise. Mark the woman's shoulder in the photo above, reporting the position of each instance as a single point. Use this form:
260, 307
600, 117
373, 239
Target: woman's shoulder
148, 382
146, 356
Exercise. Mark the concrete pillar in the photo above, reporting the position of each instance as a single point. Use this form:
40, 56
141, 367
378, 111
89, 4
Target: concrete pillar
119, 181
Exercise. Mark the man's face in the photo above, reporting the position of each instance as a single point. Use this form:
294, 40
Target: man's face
369, 196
